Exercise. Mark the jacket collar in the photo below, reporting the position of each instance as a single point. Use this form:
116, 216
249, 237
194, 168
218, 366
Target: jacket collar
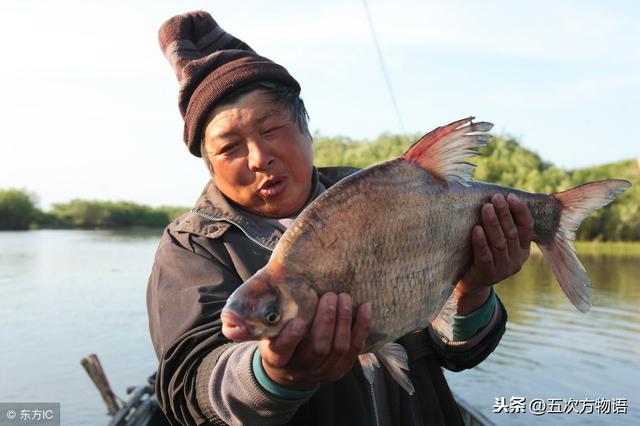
213, 214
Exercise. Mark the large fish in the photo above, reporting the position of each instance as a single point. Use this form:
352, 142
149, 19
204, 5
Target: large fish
397, 235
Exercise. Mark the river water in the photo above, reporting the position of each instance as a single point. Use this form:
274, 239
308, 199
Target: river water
66, 294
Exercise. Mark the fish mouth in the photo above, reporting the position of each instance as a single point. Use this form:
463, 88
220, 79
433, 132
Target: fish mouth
272, 186
233, 327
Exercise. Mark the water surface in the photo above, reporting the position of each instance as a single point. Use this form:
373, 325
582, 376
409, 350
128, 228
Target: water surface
554, 353
66, 294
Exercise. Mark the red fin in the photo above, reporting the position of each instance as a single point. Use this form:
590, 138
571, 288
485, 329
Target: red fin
441, 150
577, 205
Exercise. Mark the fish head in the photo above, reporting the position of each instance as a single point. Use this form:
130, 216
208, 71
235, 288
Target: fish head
263, 304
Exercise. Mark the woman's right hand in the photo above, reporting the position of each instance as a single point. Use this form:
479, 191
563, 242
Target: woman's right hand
326, 353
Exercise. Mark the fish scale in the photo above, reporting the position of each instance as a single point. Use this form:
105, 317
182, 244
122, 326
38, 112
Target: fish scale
398, 235
406, 246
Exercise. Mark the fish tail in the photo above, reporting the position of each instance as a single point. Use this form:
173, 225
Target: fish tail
576, 205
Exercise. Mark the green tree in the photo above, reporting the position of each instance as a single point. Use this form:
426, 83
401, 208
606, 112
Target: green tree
505, 162
17, 209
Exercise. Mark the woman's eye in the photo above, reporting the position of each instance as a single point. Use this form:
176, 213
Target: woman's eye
227, 148
271, 130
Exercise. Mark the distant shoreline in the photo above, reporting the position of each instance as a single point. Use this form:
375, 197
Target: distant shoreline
504, 162
583, 247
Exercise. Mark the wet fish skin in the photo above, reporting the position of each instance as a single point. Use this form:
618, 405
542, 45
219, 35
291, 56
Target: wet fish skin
379, 250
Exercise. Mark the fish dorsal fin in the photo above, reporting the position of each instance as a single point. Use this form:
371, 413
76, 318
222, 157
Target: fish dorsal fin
442, 150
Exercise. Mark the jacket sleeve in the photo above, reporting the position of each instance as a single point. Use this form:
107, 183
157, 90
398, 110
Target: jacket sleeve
460, 355
202, 377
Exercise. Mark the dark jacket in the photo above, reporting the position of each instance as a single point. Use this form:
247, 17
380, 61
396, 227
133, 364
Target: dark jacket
207, 253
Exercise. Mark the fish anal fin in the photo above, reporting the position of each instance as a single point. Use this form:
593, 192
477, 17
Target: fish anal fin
369, 363
444, 321
442, 151
394, 357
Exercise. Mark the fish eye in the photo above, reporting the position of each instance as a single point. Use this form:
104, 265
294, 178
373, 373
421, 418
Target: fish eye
272, 317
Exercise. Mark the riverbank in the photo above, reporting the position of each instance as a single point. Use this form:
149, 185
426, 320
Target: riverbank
601, 248
625, 248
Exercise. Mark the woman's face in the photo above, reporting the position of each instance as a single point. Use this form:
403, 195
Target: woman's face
259, 157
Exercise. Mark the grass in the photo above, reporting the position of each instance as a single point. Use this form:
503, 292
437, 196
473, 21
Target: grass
608, 247
625, 248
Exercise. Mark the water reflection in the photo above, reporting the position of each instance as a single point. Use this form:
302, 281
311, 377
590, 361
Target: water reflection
66, 294
551, 350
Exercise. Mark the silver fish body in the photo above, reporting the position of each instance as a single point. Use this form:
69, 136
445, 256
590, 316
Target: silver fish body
396, 236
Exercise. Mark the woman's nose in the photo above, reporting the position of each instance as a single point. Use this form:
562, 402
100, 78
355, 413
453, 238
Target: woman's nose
260, 156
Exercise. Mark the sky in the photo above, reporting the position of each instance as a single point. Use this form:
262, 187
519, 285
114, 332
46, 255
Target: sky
89, 103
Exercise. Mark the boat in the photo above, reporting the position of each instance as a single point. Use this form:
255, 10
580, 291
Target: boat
142, 408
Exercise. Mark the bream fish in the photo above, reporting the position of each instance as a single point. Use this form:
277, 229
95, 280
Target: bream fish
397, 235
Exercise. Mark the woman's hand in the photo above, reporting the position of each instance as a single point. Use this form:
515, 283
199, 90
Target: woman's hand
326, 353
500, 248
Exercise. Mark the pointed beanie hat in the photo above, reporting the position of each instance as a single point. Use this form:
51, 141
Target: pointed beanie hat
209, 63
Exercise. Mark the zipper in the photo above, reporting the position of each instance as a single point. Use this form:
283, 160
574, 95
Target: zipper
220, 219
376, 418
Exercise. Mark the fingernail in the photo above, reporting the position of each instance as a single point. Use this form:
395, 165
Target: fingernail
332, 301
513, 197
345, 303
298, 326
366, 310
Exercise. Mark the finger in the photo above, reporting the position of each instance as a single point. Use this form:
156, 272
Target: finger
322, 329
278, 351
342, 333
331, 365
361, 328
495, 237
523, 220
482, 256
506, 223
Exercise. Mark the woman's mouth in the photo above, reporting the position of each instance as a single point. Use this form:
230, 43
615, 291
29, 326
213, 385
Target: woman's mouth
273, 187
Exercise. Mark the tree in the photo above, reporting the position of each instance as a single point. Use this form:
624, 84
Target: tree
17, 209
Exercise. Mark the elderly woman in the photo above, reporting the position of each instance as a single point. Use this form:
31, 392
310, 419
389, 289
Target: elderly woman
244, 116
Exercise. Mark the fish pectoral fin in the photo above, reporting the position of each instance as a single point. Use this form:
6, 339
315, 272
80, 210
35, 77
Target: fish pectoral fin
443, 323
442, 150
369, 363
322, 230
394, 357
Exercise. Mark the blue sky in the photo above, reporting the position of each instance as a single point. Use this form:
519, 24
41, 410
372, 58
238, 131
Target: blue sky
89, 102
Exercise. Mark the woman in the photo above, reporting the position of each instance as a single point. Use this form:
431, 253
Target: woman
244, 116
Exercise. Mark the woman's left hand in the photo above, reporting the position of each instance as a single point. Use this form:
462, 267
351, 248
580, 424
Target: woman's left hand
500, 248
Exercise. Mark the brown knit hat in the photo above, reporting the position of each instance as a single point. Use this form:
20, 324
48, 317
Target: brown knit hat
209, 63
